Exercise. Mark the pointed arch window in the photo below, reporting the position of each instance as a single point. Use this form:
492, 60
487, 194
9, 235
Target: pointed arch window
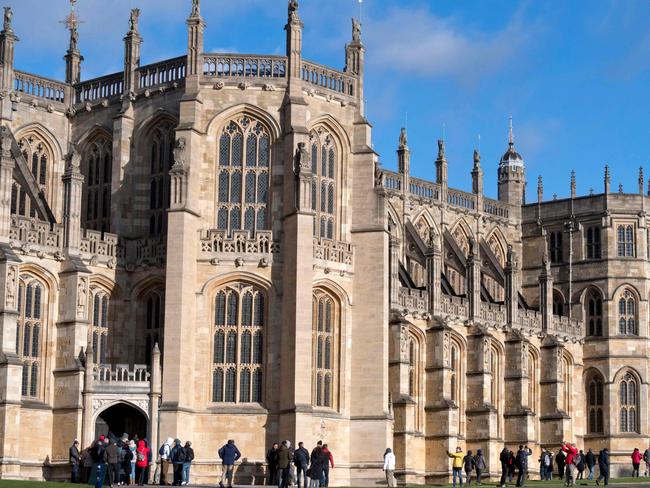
455, 368
30, 333
325, 320
324, 187
161, 159
154, 318
97, 170
243, 182
532, 382
627, 314
594, 248
628, 398
594, 314
625, 241
238, 344
38, 158
555, 246
595, 405
99, 324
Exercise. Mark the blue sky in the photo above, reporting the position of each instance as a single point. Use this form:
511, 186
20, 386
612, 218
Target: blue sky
574, 74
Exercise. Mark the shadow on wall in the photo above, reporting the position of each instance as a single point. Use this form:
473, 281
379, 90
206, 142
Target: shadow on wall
249, 473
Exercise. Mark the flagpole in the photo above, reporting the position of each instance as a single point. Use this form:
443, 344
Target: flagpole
360, 10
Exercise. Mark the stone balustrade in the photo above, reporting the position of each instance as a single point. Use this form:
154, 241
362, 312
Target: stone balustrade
562, 326
33, 233
239, 242
100, 244
457, 307
333, 251
122, 373
461, 199
104, 87
494, 313
413, 300
39, 87
244, 66
496, 208
423, 188
530, 319
163, 73
328, 79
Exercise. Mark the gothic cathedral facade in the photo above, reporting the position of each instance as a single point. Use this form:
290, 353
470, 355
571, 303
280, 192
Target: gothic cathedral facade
208, 248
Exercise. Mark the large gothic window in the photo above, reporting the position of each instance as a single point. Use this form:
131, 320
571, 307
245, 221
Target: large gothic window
30, 333
99, 326
243, 180
595, 406
161, 160
627, 323
625, 241
594, 314
594, 249
628, 404
326, 317
238, 344
154, 314
97, 169
455, 371
38, 160
555, 246
324, 189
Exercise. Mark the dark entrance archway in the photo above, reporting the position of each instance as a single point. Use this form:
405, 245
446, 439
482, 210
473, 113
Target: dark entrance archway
121, 418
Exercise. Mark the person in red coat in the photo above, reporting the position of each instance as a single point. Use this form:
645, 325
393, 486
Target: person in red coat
636, 461
570, 462
141, 462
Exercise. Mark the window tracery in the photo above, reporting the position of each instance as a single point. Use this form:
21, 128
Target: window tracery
324, 161
594, 314
154, 318
99, 325
30, 333
628, 404
161, 160
39, 160
98, 169
595, 405
326, 319
627, 309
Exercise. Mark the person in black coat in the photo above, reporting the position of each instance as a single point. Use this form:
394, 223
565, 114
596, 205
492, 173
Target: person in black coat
504, 457
74, 457
559, 460
316, 465
272, 462
590, 461
603, 465
301, 460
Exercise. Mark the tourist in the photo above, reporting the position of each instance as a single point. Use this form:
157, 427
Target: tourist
149, 458
141, 462
228, 454
165, 452
512, 466
570, 463
646, 460
128, 458
522, 464
636, 462
86, 465
189, 457
468, 465
590, 461
98, 471
560, 461
603, 466
315, 472
457, 465
177, 458
272, 464
284, 463
301, 460
74, 457
132, 447
113, 460
504, 457
545, 464
329, 462
389, 468
580, 465
480, 464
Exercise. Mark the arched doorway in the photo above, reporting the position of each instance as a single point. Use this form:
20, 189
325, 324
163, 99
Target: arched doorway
121, 418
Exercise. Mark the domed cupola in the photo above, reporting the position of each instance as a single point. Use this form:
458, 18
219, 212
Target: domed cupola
511, 156
512, 177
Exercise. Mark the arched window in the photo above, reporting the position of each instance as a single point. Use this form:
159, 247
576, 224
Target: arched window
413, 363
455, 372
532, 382
238, 344
326, 319
558, 304
594, 314
39, 160
555, 246
99, 324
324, 189
595, 405
594, 250
625, 241
627, 309
565, 370
154, 319
628, 395
161, 159
244, 158
97, 169
30, 333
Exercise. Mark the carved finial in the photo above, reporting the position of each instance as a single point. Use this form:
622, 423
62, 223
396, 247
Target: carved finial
196, 8
356, 30
156, 349
293, 11
607, 179
546, 263
441, 149
573, 184
71, 23
511, 137
133, 20
472, 247
540, 188
302, 162
510, 256
9, 16
403, 139
73, 160
477, 159
620, 187
641, 180
179, 153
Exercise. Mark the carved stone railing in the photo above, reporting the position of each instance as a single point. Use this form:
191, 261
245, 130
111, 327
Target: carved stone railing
244, 66
333, 251
411, 299
39, 87
457, 198
328, 78
391, 181
122, 373
100, 88
530, 319
564, 326
493, 312
36, 233
454, 306
239, 241
162, 73
99, 244
496, 208
425, 189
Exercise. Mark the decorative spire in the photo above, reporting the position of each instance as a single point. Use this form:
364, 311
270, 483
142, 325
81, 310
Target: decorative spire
641, 180
294, 16
441, 149
477, 159
540, 189
71, 23
133, 20
403, 139
196, 8
607, 179
573, 184
9, 16
356, 31
511, 137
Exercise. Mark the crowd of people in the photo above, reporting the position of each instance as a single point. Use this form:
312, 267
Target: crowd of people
122, 461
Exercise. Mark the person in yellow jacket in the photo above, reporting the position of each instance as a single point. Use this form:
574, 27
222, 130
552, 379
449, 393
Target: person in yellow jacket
457, 466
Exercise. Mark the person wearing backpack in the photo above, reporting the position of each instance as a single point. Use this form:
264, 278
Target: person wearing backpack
480, 465
547, 459
177, 458
165, 452
189, 457
522, 464
141, 462
98, 455
580, 464
646, 460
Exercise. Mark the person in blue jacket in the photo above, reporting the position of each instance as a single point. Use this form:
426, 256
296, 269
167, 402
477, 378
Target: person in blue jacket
229, 454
